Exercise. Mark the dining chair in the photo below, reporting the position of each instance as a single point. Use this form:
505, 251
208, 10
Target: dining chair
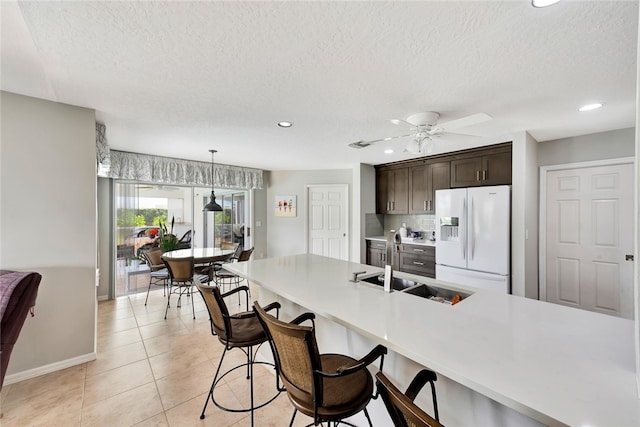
185, 240
225, 278
241, 330
181, 275
158, 274
327, 387
229, 245
402, 409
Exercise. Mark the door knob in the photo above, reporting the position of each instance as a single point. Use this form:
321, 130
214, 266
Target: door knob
628, 257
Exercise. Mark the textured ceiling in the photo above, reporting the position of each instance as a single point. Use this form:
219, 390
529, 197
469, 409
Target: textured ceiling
178, 78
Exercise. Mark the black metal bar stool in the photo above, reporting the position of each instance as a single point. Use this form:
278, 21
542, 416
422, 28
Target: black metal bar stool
403, 411
327, 387
241, 330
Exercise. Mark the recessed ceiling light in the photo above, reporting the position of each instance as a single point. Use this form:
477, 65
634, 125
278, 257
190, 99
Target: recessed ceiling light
388, 151
543, 3
590, 107
285, 124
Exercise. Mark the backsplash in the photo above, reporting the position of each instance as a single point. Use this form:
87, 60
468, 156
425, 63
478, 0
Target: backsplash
377, 225
413, 222
374, 225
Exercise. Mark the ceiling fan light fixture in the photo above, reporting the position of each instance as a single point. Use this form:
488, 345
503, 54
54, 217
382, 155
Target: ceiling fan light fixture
590, 107
285, 124
212, 206
414, 146
543, 3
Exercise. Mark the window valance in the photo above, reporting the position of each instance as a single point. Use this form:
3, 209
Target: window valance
166, 170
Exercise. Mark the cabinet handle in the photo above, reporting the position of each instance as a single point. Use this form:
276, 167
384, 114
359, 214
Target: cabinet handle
430, 207
425, 205
418, 263
393, 205
477, 175
484, 175
418, 250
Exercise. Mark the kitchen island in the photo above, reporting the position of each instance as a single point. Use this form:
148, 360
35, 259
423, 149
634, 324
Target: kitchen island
500, 359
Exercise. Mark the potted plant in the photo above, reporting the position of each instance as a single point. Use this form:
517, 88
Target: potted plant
168, 240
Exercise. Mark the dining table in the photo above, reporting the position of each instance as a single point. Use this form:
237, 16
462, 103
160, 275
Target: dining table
201, 255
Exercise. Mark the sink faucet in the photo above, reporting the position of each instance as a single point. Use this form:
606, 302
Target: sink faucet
355, 275
392, 241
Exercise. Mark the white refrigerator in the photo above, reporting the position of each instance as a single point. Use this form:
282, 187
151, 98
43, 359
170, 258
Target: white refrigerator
473, 237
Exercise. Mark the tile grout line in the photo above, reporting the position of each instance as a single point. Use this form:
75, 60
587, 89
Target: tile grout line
153, 375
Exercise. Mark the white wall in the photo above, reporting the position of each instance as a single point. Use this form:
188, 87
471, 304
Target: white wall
286, 236
365, 193
48, 224
598, 146
259, 231
524, 217
636, 270
105, 236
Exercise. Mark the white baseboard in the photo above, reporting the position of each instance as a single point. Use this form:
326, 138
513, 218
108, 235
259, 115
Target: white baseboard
103, 297
47, 369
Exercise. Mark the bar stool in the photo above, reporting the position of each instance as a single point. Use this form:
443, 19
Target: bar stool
241, 330
326, 387
405, 413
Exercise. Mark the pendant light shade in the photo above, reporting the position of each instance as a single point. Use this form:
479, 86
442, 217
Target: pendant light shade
212, 206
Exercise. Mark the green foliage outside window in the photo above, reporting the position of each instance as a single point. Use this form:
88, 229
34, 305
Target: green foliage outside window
128, 218
140, 217
158, 220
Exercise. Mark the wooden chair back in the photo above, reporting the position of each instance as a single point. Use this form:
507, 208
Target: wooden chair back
154, 259
403, 411
180, 269
218, 312
245, 255
296, 355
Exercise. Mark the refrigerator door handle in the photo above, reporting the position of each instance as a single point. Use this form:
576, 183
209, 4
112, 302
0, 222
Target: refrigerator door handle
472, 237
462, 233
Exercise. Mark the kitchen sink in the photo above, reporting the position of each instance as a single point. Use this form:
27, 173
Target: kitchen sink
398, 284
434, 293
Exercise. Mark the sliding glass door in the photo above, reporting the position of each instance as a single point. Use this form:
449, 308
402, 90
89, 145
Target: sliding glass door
141, 209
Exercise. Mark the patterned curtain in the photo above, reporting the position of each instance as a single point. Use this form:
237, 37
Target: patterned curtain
102, 149
165, 170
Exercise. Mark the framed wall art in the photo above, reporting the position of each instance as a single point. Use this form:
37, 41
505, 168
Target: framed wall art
286, 206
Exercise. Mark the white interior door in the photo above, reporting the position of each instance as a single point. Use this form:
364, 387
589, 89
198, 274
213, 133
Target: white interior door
328, 220
589, 232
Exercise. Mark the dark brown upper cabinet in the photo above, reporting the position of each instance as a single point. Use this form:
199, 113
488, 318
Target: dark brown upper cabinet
392, 191
424, 180
490, 169
409, 186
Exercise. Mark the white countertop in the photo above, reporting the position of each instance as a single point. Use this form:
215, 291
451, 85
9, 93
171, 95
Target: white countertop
556, 364
405, 240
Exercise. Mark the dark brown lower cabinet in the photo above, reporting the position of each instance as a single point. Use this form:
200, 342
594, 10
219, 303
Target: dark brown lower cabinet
418, 259
414, 259
377, 254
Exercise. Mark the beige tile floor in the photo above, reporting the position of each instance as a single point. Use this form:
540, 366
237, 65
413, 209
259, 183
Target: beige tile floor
149, 372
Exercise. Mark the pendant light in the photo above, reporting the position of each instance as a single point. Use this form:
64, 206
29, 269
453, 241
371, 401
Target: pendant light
212, 206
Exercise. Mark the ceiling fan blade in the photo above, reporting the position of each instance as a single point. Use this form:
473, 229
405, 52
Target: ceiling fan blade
363, 144
401, 122
462, 122
457, 135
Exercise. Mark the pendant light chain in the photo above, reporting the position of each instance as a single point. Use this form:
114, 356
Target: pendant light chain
212, 205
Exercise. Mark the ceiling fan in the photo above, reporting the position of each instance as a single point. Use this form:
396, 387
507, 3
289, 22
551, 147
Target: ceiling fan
424, 129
